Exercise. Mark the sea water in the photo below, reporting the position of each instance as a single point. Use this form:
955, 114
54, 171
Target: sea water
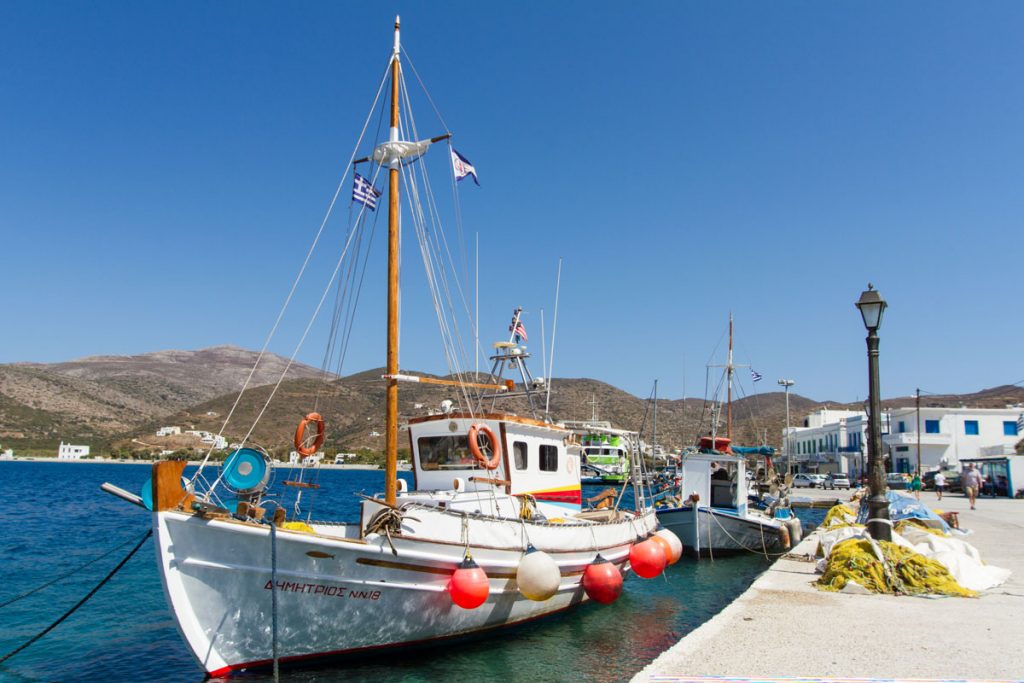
53, 518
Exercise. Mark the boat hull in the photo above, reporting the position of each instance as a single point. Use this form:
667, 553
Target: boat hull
704, 530
339, 596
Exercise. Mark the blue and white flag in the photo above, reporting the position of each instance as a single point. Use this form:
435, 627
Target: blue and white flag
463, 168
755, 375
364, 192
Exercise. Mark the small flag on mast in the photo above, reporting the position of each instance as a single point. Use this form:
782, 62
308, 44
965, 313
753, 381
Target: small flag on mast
364, 192
517, 329
462, 167
755, 375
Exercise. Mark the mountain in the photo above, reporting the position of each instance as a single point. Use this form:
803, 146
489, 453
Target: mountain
94, 398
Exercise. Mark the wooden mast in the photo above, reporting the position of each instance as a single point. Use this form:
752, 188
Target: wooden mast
391, 410
729, 367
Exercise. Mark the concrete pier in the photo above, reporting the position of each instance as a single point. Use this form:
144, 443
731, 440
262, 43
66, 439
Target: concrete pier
783, 626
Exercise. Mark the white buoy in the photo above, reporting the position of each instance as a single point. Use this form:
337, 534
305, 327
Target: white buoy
538, 576
674, 543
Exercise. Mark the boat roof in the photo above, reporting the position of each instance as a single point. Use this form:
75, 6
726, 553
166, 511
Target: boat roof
500, 416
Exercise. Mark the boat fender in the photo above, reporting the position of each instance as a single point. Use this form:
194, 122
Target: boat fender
796, 531
469, 585
647, 558
478, 433
538, 576
300, 435
671, 543
602, 581
784, 537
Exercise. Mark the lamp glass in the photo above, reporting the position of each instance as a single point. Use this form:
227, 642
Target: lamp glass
871, 306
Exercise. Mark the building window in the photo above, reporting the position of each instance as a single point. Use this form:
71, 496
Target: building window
902, 427
548, 458
902, 449
1009, 428
931, 426
519, 455
971, 427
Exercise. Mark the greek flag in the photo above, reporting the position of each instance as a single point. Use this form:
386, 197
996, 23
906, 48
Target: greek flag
755, 375
463, 168
364, 192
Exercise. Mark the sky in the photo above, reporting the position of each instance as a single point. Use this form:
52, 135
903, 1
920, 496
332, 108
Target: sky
165, 166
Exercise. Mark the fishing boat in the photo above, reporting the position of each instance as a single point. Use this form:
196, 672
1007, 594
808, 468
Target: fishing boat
492, 532
707, 505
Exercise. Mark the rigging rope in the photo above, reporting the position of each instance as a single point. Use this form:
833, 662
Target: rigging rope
298, 277
81, 602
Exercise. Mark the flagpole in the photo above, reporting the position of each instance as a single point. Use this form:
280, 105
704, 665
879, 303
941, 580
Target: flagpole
476, 350
391, 409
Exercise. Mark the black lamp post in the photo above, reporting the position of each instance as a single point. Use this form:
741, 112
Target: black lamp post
872, 305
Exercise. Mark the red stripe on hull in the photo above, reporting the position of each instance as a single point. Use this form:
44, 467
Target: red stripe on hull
574, 497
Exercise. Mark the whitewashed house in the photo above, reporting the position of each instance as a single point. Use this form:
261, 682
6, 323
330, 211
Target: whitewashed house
168, 431
68, 451
836, 440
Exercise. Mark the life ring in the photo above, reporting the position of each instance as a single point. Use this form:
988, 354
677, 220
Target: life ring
475, 432
300, 435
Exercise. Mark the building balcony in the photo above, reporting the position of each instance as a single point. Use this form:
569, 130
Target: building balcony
910, 439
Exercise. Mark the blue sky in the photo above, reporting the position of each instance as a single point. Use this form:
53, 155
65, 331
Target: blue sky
163, 168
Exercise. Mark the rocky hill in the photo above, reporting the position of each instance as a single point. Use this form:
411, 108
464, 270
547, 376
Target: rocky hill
106, 400
92, 399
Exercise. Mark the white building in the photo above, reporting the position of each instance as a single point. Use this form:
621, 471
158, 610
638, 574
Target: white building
950, 435
836, 440
7, 455
340, 458
68, 451
168, 431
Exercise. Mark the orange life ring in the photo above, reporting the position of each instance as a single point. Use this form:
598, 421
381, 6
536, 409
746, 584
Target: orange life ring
475, 433
300, 435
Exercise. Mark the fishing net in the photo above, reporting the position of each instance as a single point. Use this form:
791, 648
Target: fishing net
914, 523
838, 516
885, 567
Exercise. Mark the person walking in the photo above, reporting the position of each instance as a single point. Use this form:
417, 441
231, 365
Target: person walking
940, 484
972, 483
915, 485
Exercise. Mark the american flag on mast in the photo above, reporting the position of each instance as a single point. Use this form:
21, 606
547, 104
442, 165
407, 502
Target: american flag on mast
517, 328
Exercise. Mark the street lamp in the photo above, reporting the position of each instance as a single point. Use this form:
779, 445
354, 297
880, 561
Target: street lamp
872, 305
786, 384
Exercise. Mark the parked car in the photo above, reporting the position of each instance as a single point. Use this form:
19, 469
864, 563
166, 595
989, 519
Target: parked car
895, 480
952, 480
803, 481
837, 481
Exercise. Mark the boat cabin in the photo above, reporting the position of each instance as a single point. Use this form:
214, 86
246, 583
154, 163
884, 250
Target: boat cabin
721, 486
533, 464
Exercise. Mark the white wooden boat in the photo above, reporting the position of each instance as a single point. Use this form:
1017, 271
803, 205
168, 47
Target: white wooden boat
250, 588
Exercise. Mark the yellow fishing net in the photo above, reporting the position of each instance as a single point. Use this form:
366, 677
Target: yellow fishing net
297, 526
901, 526
904, 572
837, 517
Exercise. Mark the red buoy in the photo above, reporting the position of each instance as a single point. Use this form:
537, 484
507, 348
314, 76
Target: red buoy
602, 581
647, 558
469, 586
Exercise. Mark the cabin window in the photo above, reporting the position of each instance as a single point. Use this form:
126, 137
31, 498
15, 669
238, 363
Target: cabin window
548, 458
519, 455
446, 453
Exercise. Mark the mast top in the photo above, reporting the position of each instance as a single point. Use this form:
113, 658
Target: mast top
397, 33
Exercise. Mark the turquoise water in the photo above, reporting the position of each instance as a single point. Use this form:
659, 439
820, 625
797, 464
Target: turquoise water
53, 517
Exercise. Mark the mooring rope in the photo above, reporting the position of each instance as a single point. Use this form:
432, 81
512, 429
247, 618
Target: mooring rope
63, 576
80, 602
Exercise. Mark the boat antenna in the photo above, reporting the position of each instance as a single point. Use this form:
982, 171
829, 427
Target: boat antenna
391, 409
554, 328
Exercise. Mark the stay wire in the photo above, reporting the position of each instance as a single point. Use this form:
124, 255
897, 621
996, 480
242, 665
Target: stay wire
81, 602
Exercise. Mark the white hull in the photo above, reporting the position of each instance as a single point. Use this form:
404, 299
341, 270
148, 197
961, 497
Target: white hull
706, 530
339, 593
